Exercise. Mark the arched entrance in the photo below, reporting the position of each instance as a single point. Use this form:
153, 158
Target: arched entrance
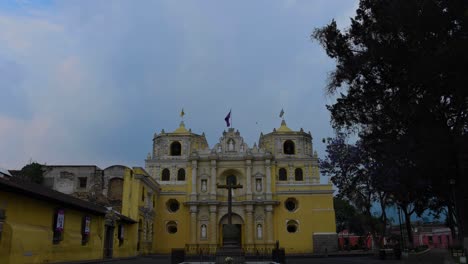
231, 234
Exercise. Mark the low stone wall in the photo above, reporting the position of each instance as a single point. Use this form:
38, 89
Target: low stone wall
325, 243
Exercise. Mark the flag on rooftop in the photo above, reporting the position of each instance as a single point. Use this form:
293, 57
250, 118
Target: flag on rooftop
228, 118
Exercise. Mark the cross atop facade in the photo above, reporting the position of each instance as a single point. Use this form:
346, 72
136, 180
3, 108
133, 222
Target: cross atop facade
229, 186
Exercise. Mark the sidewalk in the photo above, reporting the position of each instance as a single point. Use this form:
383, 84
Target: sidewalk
432, 256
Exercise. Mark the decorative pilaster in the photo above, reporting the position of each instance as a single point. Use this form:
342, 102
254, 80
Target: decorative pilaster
193, 195
269, 224
157, 173
249, 225
213, 180
291, 173
193, 224
268, 179
213, 225
248, 178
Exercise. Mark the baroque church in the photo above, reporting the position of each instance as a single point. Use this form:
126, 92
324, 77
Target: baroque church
178, 201
281, 200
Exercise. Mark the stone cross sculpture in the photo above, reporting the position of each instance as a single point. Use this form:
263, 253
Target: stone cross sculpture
229, 186
231, 246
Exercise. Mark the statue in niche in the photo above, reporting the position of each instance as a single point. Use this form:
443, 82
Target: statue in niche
219, 149
259, 231
203, 231
203, 185
242, 148
230, 145
258, 185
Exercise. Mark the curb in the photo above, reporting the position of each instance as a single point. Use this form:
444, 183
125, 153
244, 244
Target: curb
90, 261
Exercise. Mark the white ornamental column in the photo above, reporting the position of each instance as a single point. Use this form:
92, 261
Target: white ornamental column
213, 225
193, 224
269, 224
268, 179
213, 180
249, 225
157, 173
248, 178
193, 195
291, 173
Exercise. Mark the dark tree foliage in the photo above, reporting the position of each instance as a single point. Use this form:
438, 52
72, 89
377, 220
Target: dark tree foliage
32, 172
353, 172
348, 218
402, 66
344, 213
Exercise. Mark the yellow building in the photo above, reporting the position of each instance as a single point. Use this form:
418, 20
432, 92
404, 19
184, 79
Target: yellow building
281, 200
123, 228
39, 225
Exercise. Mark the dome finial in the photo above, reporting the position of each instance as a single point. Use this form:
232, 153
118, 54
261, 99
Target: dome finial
284, 127
181, 128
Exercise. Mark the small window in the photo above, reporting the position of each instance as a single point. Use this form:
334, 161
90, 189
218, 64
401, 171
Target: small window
181, 175
120, 234
172, 205
154, 201
83, 182
166, 175
290, 204
58, 226
176, 148
143, 193
292, 226
171, 227
288, 147
283, 174
231, 180
85, 229
298, 174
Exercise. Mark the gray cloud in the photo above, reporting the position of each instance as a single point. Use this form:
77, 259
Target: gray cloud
91, 81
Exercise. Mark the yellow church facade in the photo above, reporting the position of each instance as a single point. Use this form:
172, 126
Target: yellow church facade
175, 202
281, 199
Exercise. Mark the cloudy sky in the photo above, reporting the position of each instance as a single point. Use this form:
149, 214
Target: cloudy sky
89, 82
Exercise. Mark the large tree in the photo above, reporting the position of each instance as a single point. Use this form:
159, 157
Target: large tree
353, 171
401, 77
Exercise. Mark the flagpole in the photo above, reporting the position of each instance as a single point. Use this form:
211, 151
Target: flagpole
230, 110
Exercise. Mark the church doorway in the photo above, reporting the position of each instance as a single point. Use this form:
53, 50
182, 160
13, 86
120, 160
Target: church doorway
231, 234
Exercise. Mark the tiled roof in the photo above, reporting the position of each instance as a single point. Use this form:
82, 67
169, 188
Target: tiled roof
37, 191
4, 172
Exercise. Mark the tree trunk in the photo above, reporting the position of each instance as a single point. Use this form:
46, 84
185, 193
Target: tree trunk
409, 230
383, 206
450, 221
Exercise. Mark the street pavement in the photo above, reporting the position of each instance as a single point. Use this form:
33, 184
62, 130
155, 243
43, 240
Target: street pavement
435, 256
